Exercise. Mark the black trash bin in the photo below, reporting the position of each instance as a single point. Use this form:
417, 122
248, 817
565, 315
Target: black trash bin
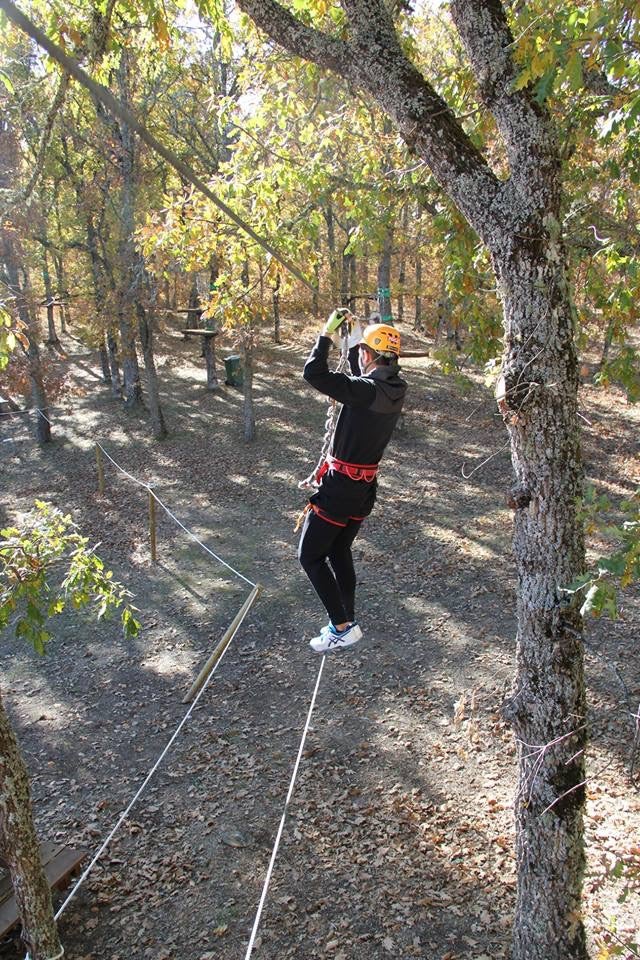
233, 369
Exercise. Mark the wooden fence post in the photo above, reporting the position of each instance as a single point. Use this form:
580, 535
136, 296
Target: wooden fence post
100, 464
152, 525
221, 647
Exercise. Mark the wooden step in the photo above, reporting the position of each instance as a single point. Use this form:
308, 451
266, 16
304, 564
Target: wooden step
59, 864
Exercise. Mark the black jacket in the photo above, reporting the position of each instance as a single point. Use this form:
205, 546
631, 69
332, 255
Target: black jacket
371, 407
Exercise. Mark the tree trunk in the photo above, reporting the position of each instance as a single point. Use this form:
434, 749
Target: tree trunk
20, 850
366, 310
334, 278
158, 425
275, 298
417, 323
63, 293
402, 273
538, 399
347, 286
315, 297
353, 281
20, 293
384, 277
248, 407
104, 362
114, 364
210, 357
38, 392
129, 281
518, 218
608, 340
52, 336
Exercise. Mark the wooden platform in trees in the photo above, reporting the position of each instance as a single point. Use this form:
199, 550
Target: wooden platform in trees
59, 865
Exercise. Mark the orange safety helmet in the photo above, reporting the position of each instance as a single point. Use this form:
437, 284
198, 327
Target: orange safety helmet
382, 339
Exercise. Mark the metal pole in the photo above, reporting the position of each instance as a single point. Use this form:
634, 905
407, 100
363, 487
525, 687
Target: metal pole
226, 639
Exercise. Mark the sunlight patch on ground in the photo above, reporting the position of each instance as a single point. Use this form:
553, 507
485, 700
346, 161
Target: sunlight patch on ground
44, 709
168, 663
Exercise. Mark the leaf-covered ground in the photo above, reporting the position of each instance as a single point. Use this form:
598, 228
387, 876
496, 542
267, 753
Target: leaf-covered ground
399, 840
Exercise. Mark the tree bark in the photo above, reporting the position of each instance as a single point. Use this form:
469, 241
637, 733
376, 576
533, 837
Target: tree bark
275, 300
518, 218
248, 406
52, 335
547, 709
20, 850
210, 358
402, 272
104, 361
334, 272
129, 281
384, 276
417, 323
19, 290
158, 425
63, 293
114, 364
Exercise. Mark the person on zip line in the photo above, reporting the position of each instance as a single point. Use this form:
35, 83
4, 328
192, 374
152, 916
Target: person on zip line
372, 397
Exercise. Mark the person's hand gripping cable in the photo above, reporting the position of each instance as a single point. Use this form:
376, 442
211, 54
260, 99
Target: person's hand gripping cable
352, 328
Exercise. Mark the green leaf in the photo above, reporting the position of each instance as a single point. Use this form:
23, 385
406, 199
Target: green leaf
574, 71
545, 84
7, 82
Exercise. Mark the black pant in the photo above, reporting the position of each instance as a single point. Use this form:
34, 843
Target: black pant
323, 543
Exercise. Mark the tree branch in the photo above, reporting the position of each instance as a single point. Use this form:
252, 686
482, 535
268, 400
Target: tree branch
374, 61
523, 123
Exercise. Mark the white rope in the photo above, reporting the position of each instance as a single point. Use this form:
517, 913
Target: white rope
140, 791
155, 496
284, 814
200, 543
56, 956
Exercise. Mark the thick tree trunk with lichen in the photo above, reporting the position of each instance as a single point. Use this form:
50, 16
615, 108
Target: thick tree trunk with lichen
20, 850
518, 219
537, 398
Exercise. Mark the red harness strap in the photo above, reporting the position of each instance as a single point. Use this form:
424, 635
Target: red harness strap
319, 512
355, 471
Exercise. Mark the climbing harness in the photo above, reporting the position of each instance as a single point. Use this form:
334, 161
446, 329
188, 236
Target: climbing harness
319, 512
355, 471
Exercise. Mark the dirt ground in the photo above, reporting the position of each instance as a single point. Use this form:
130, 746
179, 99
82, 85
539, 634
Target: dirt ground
399, 839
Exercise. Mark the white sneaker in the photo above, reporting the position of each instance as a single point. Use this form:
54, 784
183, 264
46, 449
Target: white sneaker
331, 639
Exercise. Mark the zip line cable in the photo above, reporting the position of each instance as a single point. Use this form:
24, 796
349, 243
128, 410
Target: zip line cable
104, 96
276, 844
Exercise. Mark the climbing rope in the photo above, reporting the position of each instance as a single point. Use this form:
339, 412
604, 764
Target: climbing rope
333, 411
276, 844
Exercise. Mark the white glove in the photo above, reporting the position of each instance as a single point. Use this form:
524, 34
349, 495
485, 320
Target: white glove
355, 337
